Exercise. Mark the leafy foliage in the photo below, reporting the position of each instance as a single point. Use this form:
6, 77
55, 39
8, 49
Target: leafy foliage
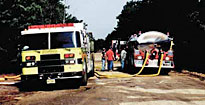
21, 13
99, 44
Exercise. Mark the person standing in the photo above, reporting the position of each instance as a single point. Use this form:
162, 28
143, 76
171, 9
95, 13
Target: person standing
103, 59
123, 56
110, 58
114, 50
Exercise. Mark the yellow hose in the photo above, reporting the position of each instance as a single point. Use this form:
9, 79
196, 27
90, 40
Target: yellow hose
17, 78
151, 75
12, 77
104, 75
146, 58
172, 43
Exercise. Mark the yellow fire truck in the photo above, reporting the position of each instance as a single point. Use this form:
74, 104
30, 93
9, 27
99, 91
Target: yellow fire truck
56, 52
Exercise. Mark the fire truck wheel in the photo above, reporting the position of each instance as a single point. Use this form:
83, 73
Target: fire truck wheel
85, 76
23, 86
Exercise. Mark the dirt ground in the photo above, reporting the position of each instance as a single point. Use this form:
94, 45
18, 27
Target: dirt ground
174, 89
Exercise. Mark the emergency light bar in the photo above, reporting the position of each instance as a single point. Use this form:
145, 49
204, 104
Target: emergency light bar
51, 26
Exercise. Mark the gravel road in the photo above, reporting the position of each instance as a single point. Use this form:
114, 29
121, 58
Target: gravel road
174, 89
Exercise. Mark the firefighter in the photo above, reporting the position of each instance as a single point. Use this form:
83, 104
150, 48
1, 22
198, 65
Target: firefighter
103, 59
110, 59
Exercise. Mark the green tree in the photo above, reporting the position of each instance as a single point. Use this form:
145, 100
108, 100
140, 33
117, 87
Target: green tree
21, 13
99, 44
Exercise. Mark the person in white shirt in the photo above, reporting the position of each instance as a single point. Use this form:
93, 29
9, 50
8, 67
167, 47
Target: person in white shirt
123, 56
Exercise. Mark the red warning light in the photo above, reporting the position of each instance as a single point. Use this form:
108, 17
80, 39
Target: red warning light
51, 26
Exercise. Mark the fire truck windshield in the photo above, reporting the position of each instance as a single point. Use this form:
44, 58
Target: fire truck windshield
62, 40
57, 40
35, 41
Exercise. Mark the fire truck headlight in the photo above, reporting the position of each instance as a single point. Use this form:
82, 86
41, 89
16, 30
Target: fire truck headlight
69, 61
167, 58
72, 61
30, 64
139, 57
33, 63
66, 61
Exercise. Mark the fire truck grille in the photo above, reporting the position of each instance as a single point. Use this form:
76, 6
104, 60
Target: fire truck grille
50, 63
50, 69
50, 57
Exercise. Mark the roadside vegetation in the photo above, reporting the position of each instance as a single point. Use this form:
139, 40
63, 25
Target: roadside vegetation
183, 19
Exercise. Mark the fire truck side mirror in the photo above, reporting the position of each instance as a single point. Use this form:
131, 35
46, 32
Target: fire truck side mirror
25, 48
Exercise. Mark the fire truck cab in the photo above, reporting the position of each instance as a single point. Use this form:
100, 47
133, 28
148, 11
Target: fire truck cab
55, 52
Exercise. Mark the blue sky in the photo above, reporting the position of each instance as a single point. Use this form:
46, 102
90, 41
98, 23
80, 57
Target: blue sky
100, 15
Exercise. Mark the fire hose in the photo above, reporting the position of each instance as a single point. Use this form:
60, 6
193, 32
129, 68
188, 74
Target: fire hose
150, 75
17, 77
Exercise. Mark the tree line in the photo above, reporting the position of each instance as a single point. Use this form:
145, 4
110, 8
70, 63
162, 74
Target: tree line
17, 15
183, 19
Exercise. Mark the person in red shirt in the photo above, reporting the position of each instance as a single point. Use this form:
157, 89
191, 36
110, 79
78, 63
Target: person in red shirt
110, 58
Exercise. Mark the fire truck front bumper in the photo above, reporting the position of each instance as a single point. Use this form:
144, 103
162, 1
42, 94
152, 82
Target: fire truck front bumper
52, 76
154, 64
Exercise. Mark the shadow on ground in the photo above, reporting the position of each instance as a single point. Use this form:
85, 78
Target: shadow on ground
146, 71
42, 86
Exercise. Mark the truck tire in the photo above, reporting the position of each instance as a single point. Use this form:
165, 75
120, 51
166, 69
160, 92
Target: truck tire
23, 86
85, 76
